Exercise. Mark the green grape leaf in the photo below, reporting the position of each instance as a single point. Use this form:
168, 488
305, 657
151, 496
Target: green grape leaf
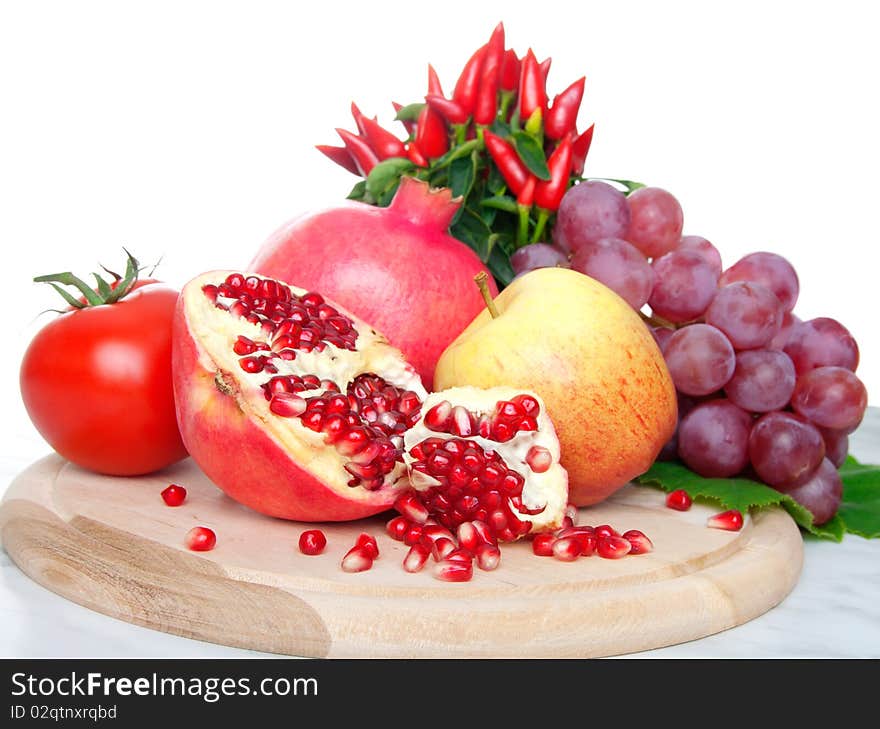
860, 508
859, 511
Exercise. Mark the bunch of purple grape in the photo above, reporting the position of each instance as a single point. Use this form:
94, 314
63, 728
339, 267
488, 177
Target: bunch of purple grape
761, 393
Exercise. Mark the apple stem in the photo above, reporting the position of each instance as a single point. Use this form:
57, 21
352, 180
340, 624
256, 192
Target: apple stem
480, 280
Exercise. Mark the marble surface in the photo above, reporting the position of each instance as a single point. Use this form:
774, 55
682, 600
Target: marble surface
834, 611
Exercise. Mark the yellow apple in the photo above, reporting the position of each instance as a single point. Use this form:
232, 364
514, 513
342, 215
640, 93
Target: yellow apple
588, 354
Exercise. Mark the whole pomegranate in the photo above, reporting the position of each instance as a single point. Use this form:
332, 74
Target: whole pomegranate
288, 403
394, 267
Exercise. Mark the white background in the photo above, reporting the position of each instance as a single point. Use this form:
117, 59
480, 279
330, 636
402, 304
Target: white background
186, 130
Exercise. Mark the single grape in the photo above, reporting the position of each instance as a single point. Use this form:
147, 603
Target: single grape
588, 212
770, 270
618, 265
785, 449
762, 381
704, 248
661, 336
669, 452
713, 439
537, 255
789, 322
822, 494
684, 286
656, 220
832, 397
836, 446
822, 342
748, 313
700, 359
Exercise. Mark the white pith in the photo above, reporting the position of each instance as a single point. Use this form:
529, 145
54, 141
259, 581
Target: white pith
548, 489
216, 332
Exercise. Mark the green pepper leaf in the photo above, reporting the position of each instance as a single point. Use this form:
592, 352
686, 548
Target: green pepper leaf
499, 265
462, 173
386, 175
410, 112
471, 229
531, 153
359, 191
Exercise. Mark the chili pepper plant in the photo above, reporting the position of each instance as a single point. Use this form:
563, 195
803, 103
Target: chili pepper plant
497, 141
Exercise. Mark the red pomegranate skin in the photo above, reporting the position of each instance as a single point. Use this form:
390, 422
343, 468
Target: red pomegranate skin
258, 472
395, 267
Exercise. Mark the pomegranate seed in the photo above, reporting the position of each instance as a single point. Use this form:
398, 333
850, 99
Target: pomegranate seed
357, 559
571, 511
483, 531
442, 548
488, 556
453, 571
413, 535
679, 500
460, 554
432, 532
243, 345
528, 404
287, 404
640, 543
398, 527
368, 543
312, 542
467, 536
542, 545
612, 547
416, 557
605, 530
251, 364
462, 422
567, 549
174, 495
200, 539
438, 416
588, 544
410, 506
730, 521
539, 459
567, 522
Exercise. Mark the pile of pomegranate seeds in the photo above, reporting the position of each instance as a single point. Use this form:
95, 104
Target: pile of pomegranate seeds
366, 423
571, 542
510, 417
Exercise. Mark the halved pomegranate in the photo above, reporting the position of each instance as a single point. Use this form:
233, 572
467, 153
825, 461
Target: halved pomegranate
488, 456
290, 404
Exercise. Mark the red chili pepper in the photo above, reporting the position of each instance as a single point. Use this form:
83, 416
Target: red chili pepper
340, 156
432, 138
434, 86
548, 194
508, 162
468, 84
383, 142
545, 68
450, 110
415, 156
487, 99
526, 196
580, 145
510, 70
532, 94
361, 152
408, 125
561, 117
358, 117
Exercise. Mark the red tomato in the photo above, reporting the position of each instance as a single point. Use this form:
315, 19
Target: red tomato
96, 383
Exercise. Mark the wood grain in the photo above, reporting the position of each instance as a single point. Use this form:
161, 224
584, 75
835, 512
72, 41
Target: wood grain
112, 545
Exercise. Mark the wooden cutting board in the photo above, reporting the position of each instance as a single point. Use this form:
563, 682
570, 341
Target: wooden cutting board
112, 545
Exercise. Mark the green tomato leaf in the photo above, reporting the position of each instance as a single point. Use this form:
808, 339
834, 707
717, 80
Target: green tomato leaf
860, 508
531, 153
